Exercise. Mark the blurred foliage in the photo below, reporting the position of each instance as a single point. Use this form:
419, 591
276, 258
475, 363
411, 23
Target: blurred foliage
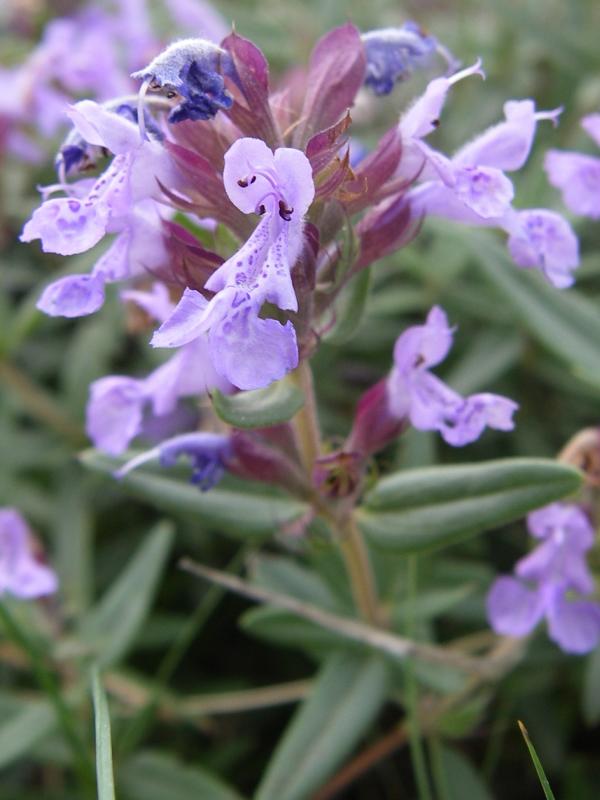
181, 670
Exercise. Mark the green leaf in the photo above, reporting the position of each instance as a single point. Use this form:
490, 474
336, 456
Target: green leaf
111, 626
260, 408
237, 513
460, 779
288, 630
564, 322
349, 309
549, 795
346, 697
104, 766
426, 508
591, 689
24, 729
155, 776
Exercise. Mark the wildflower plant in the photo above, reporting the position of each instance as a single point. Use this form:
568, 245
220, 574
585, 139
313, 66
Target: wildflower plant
236, 221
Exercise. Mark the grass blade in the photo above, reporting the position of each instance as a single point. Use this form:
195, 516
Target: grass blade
104, 766
548, 793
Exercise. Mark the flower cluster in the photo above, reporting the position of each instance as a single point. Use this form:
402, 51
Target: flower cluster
209, 146
547, 578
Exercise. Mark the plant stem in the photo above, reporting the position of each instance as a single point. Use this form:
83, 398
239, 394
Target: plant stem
358, 567
48, 684
306, 420
417, 753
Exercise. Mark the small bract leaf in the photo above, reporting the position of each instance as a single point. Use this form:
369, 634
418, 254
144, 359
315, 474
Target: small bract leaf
260, 408
426, 508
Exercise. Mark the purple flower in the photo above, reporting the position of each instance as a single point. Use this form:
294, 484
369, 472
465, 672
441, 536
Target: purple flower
472, 188
119, 405
119, 201
189, 70
545, 580
21, 574
208, 454
578, 175
249, 351
393, 53
414, 392
543, 240
69, 225
136, 251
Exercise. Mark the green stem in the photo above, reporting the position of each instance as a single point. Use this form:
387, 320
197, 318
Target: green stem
358, 567
48, 684
171, 660
306, 420
417, 753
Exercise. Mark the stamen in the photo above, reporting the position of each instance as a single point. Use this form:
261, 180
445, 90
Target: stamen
285, 212
137, 461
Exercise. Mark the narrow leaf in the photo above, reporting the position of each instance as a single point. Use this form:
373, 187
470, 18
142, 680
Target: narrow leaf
426, 508
461, 780
260, 408
24, 729
104, 765
549, 795
111, 626
236, 513
347, 695
564, 322
156, 776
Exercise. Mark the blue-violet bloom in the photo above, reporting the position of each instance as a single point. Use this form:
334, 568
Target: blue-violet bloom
208, 454
190, 71
394, 53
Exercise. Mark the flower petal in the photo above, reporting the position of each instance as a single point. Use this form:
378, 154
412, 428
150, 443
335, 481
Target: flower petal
73, 296
512, 609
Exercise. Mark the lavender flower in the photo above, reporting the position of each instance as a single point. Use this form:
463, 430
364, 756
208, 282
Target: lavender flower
118, 405
249, 351
472, 188
208, 453
545, 580
578, 175
21, 574
119, 201
394, 53
428, 403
